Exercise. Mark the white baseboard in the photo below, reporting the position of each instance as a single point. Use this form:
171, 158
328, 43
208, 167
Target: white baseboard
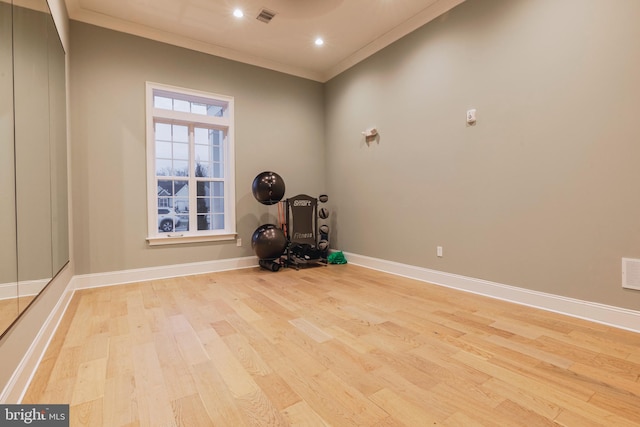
8, 290
97, 280
32, 287
27, 288
595, 312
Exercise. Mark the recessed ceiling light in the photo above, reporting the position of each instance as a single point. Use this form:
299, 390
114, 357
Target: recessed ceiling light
319, 41
238, 13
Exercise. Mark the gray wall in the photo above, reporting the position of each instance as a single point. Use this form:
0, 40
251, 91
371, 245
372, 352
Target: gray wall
543, 192
279, 127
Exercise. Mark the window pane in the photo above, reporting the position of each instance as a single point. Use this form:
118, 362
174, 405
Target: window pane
181, 189
203, 222
181, 168
217, 137
203, 170
163, 132
182, 208
203, 205
165, 188
215, 110
201, 135
180, 105
218, 205
180, 133
167, 220
203, 189
218, 222
218, 170
203, 153
162, 102
163, 167
197, 108
181, 151
163, 149
218, 189
182, 205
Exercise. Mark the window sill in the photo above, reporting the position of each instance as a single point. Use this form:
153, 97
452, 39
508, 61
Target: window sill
177, 238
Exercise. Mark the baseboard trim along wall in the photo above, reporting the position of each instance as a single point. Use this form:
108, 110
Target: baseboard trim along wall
595, 312
8, 290
27, 288
86, 281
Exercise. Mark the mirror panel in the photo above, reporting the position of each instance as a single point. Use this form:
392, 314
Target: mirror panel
32, 151
58, 140
33, 154
8, 260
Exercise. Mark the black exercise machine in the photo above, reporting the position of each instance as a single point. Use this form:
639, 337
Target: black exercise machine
301, 229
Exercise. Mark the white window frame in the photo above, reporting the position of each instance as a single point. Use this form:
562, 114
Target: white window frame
225, 123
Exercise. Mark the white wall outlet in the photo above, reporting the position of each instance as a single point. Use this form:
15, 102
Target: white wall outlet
238, 242
471, 116
439, 251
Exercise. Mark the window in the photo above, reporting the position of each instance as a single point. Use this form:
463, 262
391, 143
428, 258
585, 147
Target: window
190, 159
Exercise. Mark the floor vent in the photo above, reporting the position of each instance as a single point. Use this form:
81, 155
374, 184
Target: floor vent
265, 16
631, 273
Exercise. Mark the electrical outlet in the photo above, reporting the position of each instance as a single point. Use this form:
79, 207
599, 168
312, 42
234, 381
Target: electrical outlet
238, 242
439, 251
471, 117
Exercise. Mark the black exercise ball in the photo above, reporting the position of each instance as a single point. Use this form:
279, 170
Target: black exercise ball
268, 188
268, 242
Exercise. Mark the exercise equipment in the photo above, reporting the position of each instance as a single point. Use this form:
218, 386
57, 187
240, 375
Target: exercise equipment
302, 225
298, 238
268, 242
268, 188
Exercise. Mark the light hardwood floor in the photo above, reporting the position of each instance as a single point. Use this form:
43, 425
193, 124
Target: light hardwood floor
339, 346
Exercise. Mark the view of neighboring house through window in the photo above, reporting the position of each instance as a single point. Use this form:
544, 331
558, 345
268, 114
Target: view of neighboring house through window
190, 165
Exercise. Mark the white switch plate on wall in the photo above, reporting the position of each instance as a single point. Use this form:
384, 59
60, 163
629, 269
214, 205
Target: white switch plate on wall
471, 116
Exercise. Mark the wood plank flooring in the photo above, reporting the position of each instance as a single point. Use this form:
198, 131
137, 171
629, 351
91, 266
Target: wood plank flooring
334, 346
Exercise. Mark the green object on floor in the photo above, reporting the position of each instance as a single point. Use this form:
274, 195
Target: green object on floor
336, 258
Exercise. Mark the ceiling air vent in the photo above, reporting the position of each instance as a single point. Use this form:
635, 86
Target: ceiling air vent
265, 16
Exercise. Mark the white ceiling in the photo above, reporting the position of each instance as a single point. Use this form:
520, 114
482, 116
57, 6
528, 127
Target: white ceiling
352, 29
